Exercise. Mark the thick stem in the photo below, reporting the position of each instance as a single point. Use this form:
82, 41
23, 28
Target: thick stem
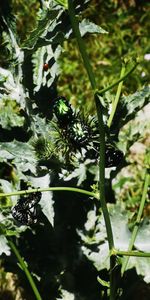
90, 73
25, 269
136, 227
102, 174
75, 27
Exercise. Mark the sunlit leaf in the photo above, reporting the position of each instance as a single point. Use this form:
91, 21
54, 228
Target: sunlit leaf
87, 26
46, 201
4, 248
40, 57
21, 153
96, 247
129, 106
10, 115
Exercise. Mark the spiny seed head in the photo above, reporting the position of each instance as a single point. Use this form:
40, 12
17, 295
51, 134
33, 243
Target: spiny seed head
43, 148
78, 133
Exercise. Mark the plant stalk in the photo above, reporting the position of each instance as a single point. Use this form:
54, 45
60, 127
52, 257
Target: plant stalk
75, 27
131, 253
104, 90
115, 103
136, 227
69, 189
25, 269
90, 73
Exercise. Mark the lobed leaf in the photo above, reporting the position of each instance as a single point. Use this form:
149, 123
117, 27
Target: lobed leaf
4, 248
96, 247
21, 153
87, 26
129, 106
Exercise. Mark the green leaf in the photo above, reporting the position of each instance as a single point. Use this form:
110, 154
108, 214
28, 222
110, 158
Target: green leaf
47, 24
11, 88
47, 204
142, 242
4, 248
46, 201
7, 225
65, 295
103, 282
45, 55
6, 186
132, 132
96, 248
87, 26
54, 26
63, 3
80, 173
129, 106
9, 115
21, 153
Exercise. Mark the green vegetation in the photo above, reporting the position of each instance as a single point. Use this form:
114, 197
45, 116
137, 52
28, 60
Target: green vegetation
74, 150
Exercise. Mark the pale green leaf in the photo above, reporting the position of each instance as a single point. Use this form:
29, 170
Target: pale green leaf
46, 201
129, 106
40, 57
103, 282
4, 248
9, 115
87, 26
21, 153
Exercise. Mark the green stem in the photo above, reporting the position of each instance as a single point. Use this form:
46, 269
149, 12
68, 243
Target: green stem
90, 73
25, 269
69, 189
102, 175
131, 253
103, 199
136, 227
102, 91
88, 67
75, 27
115, 103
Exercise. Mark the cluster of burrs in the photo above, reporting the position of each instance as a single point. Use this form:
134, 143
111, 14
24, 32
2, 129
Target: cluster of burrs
82, 133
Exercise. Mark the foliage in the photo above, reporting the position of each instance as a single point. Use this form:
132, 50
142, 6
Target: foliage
67, 250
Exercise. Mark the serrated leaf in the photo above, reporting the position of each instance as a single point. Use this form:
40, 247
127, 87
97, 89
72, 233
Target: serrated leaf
87, 26
132, 132
142, 265
9, 115
8, 227
47, 23
41, 56
11, 88
46, 202
4, 248
142, 242
54, 26
119, 220
79, 173
22, 155
129, 106
100, 254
